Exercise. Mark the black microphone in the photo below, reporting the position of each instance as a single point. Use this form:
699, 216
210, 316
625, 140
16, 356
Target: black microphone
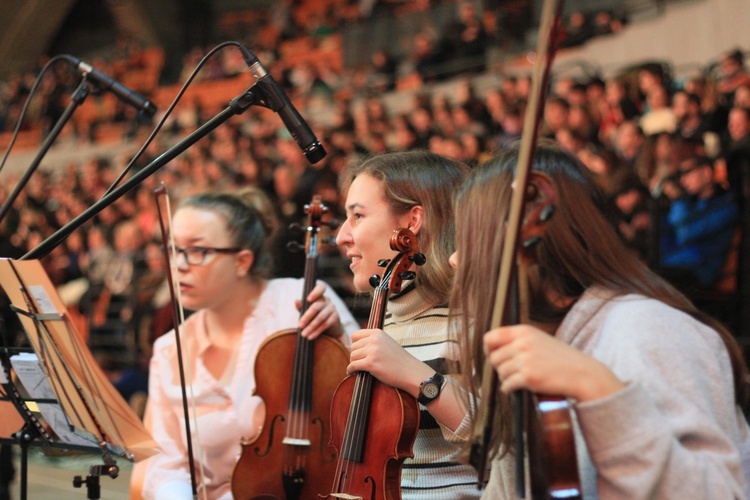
277, 101
104, 82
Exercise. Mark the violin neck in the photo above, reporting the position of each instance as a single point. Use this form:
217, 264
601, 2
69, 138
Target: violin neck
377, 310
359, 411
311, 275
301, 391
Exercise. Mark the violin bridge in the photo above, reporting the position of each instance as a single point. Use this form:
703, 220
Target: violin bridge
296, 441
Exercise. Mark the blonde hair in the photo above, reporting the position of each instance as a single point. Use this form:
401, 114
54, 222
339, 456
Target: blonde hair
421, 178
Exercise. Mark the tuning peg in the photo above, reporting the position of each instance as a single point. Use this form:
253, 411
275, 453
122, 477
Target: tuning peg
294, 246
407, 275
547, 212
295, 228
374, 280
418, 258
383, 262
530, 242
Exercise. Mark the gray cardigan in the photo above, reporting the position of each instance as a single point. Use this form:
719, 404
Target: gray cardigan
674, 431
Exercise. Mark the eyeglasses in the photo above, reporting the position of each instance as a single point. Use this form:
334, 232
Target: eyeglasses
196, 256
684, 172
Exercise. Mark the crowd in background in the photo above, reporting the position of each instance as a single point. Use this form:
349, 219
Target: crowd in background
670, 155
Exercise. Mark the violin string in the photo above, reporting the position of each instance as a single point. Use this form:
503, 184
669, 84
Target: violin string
353, 426
308, 347
363, 385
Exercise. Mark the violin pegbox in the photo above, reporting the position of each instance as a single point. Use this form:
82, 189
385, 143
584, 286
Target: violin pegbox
403, 241
316, 210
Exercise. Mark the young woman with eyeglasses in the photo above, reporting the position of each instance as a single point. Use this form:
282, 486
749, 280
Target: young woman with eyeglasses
223, 273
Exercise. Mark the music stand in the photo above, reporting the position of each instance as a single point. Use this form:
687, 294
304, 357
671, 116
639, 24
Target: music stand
96, 415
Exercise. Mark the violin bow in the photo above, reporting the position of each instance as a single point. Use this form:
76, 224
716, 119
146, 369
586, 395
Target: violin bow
178, 317
482, 442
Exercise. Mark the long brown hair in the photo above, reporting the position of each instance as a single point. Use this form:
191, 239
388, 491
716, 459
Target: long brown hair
579, 249
412, 178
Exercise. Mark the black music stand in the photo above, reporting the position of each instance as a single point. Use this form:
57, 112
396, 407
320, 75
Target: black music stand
91, 415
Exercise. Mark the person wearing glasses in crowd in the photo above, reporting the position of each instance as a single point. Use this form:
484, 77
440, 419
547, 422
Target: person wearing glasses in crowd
698, 228
223, 274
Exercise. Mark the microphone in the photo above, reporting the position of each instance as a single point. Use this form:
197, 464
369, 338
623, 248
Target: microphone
104, 82
277, 101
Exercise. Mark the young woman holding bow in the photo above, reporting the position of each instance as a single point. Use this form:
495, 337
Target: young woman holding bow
222, 268
656, 385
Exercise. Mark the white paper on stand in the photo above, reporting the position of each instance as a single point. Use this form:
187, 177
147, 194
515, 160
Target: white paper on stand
30, 373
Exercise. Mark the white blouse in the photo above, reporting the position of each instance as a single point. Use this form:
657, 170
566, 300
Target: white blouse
226, 410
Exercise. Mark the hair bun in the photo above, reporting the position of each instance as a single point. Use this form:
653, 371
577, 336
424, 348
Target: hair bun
256, 198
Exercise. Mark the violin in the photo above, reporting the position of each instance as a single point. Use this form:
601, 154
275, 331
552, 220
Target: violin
542, 424
545, 420
374, 425
296, 378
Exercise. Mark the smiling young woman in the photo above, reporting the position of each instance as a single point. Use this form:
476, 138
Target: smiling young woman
413, 351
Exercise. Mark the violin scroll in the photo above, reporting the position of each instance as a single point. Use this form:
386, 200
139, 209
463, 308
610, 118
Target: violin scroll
404, 242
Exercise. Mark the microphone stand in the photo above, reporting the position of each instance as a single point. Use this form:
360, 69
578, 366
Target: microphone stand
236, 106
76, 99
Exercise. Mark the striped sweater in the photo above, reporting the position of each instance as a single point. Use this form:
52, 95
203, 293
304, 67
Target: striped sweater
439, 469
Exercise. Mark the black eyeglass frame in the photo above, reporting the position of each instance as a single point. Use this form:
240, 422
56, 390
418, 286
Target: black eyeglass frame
201, 251
693, 168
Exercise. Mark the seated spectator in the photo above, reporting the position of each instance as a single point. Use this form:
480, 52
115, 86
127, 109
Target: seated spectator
617, 108
632, 205
659, 161
698, 229
465, 39
577, 30
629, 143
691, 123
659, 117
555, 116
733, 167
733, 73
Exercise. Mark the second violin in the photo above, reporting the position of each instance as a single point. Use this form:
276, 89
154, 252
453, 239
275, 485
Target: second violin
296, 378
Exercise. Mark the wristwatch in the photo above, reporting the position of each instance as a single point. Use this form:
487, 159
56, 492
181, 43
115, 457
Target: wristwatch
430, 389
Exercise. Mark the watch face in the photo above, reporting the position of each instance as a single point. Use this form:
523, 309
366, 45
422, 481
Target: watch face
431, 390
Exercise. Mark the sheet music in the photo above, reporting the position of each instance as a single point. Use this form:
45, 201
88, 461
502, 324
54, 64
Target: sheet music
85, 397
42, 299
30, 373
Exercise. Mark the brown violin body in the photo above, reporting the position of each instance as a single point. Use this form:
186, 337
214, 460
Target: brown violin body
387, 441
291, 457
552, 449
269, 467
